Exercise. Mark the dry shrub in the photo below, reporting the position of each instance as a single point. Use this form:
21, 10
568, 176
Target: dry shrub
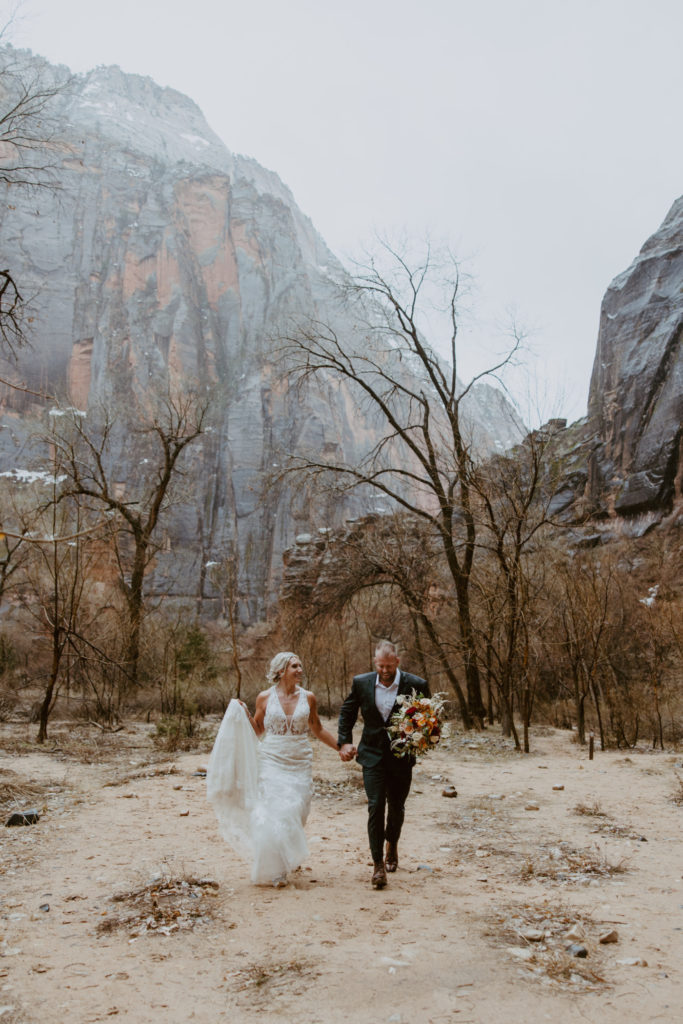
181, 733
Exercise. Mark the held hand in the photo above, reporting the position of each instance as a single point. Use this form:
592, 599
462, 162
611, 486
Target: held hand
347, 752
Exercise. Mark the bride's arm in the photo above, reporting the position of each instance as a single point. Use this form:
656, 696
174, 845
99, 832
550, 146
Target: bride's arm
317, 727
256, 720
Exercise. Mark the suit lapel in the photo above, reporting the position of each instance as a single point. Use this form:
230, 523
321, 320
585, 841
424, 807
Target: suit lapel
372, 712
404, 686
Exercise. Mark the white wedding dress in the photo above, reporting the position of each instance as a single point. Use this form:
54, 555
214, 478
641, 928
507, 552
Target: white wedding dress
261, 791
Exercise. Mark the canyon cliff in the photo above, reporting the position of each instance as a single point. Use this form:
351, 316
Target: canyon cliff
160, 259
636, 394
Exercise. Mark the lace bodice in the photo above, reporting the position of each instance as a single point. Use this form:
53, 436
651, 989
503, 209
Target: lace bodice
277, 723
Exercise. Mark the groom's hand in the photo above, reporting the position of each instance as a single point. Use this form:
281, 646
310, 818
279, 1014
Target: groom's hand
347, 752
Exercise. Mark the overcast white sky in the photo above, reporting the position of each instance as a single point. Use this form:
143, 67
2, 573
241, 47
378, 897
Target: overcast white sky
540, 138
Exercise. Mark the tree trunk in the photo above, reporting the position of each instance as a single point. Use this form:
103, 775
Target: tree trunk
46, 705
450, 674
135, 609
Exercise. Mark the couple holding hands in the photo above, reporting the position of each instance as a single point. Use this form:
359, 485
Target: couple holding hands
261, 791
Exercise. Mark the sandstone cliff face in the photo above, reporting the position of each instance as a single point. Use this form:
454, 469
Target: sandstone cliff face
163, 258
636, 393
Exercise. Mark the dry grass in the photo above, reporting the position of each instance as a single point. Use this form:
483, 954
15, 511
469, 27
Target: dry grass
16, 793
605, 826
565, 969
79, 741
548, 956
677, 794
163, 906
593, 810
563, 863
19, 794
269, 978
144, 771
329, 788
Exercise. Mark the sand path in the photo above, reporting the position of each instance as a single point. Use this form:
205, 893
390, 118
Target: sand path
448, 940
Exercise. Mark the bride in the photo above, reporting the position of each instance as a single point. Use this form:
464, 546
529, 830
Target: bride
261, 792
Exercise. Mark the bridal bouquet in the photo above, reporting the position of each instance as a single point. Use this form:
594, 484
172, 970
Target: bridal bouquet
417, 726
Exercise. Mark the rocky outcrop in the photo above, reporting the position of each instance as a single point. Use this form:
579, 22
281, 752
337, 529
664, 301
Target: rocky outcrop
636, 393
163, 259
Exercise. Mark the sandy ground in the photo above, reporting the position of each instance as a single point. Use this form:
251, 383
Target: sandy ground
472, 928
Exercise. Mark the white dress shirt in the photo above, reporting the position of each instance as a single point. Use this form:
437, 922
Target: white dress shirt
385, 696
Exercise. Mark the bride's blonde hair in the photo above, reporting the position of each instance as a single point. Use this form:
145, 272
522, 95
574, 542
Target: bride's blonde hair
278, 665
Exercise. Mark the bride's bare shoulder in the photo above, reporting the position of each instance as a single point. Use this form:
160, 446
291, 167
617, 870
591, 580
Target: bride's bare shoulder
263, 696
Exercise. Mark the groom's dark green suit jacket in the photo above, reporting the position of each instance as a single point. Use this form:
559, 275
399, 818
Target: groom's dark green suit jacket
374, 742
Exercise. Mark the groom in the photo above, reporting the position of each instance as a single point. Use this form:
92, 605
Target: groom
385, 776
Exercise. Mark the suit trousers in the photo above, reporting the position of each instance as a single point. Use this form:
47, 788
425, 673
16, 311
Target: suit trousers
387, 785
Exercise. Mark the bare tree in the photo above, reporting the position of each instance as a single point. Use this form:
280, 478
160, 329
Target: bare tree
514, 494
53, 591
225, 578
424, 460
92, 457
28, 89
12, 556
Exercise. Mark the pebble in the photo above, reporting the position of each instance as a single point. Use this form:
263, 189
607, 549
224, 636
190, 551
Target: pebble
576, 949
611, 936
575, 932
521, 952
533, 935
558, 787
449, 791
633, 961
424, 867
184, 814
44, 907
531, 807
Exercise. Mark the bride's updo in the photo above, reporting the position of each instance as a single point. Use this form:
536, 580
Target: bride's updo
278, 665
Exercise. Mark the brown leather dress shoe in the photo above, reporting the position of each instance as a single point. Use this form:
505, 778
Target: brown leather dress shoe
392, 856
379, 875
